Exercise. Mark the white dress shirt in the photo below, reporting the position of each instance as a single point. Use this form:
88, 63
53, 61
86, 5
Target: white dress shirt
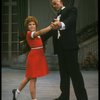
62, 24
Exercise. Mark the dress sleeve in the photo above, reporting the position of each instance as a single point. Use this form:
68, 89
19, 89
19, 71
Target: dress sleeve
32, 34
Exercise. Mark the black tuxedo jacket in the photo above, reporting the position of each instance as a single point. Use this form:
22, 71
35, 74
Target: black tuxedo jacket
68, 38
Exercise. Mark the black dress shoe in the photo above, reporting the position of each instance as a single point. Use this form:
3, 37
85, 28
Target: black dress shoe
61, 98
58, 98
14, 91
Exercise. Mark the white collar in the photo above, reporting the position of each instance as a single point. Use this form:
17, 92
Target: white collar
62, 7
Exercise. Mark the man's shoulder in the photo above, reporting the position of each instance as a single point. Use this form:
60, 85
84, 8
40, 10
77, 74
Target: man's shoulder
72, 8
69, 10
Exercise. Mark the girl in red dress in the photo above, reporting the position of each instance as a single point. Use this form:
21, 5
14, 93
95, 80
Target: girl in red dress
36, 64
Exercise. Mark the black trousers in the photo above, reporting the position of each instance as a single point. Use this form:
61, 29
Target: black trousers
69, 69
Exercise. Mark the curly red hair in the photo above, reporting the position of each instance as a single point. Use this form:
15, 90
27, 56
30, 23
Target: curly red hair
30, 19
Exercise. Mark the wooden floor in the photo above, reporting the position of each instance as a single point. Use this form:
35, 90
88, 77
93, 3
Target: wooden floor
47, 87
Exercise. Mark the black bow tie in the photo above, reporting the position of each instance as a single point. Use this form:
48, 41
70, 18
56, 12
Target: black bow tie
59, 12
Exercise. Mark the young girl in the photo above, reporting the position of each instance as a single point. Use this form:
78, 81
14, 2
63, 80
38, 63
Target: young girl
36, 64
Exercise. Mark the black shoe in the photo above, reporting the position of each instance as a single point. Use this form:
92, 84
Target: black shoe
61, 98
58, 98
14, 91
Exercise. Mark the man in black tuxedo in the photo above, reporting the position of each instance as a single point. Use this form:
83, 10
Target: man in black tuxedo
66, 47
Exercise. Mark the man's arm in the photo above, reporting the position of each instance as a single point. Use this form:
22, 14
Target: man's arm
71, 17
65, 21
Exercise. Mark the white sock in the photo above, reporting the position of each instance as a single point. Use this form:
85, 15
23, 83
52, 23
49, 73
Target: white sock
17, 93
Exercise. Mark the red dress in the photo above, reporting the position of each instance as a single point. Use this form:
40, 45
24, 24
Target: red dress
36, 64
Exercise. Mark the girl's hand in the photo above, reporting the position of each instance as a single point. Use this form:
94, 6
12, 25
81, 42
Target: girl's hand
55, 25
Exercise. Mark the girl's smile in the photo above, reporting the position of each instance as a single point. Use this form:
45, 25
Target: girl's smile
32, 26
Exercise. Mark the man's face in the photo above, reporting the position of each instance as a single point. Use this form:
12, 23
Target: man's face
57, 4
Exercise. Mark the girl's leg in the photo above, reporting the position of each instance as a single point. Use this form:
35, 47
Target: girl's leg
32, 88
23, 83
16, 92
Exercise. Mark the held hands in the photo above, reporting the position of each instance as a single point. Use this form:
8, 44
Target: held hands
56, 24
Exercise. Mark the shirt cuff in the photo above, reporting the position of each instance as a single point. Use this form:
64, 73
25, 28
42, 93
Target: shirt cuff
32, 34
62, 26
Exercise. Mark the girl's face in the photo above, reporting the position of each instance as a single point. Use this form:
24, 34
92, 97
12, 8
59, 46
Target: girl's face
32, 26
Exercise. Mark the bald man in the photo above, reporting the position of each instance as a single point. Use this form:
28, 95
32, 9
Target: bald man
66, 47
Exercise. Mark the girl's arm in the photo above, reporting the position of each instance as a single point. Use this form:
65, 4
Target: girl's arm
42, 31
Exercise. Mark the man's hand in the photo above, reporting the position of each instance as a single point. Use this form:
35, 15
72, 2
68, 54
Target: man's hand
56, 24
